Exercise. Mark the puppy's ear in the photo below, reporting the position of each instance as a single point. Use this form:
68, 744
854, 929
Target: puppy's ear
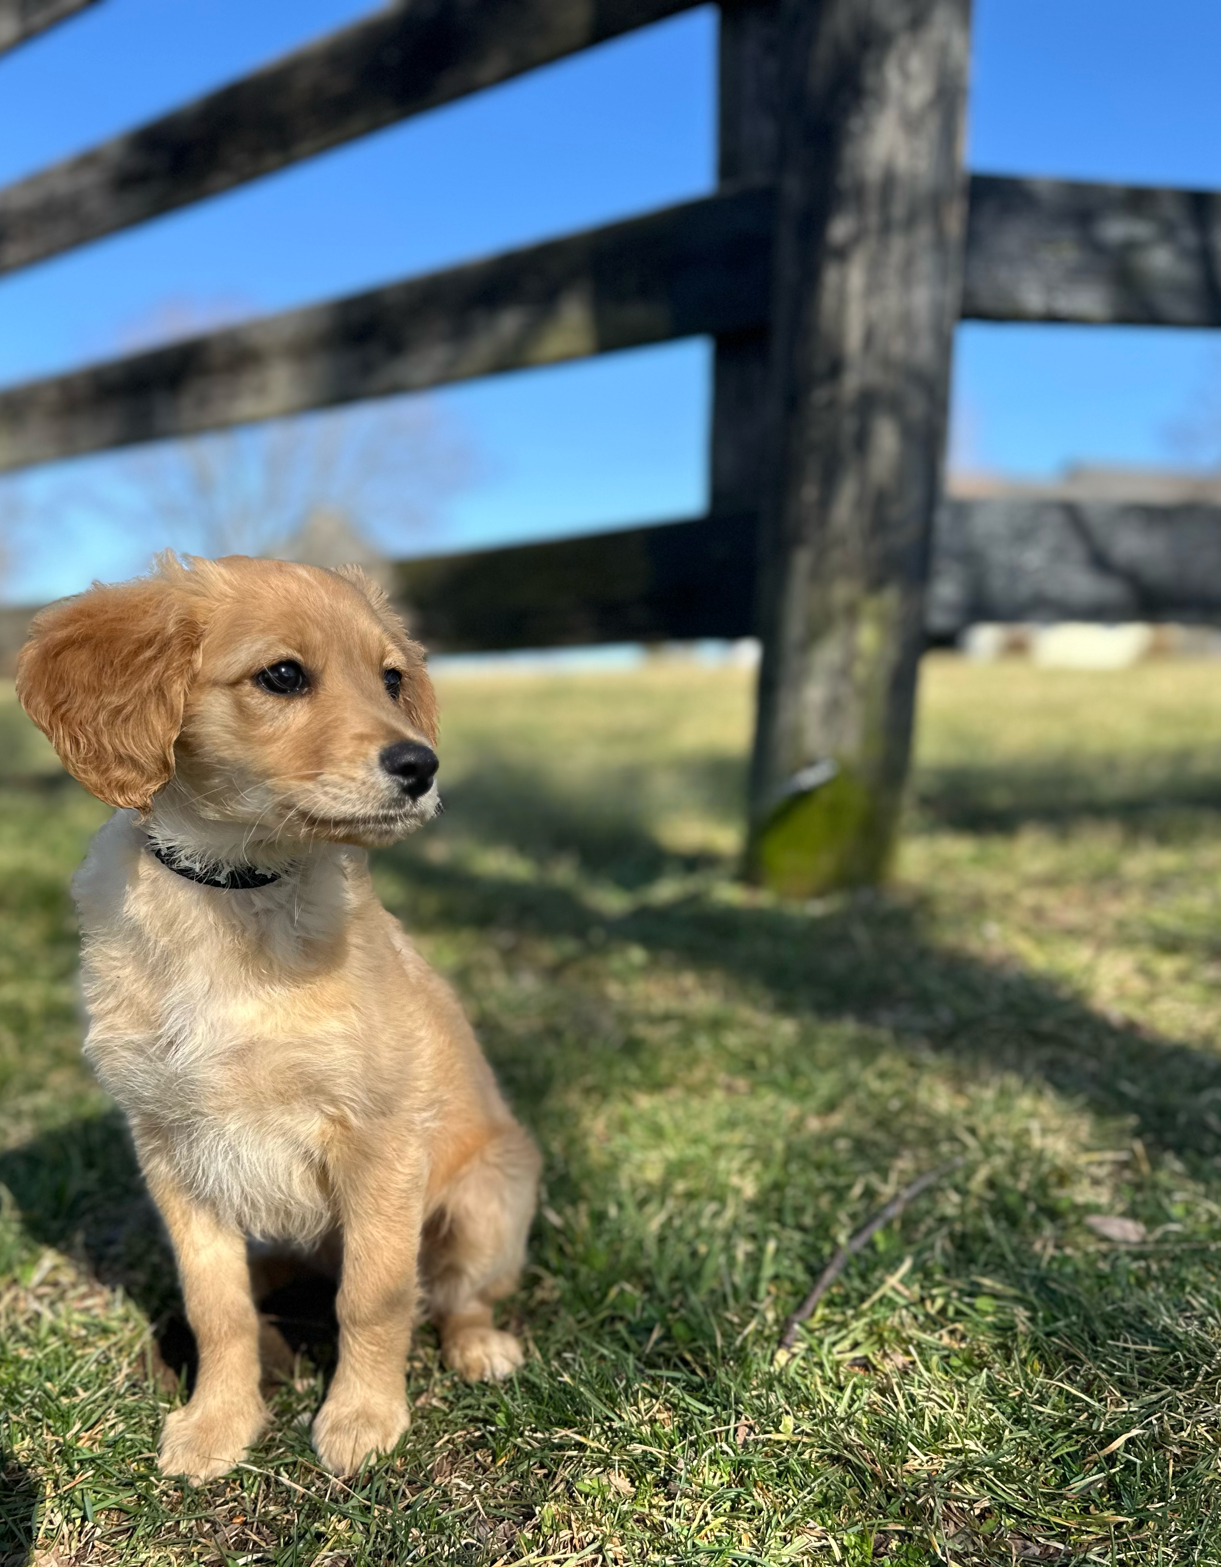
418, 696
104, 676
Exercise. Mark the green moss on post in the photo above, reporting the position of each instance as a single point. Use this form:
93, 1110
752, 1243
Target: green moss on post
837, 835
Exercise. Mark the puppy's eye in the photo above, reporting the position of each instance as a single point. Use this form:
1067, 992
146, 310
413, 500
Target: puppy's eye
285, 678
393, 681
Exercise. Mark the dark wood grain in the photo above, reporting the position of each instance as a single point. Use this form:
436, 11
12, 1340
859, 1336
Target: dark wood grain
677, 580
698, 268
1059, 250
993, 560
867, 268
1046, 560
23, 19
406, 58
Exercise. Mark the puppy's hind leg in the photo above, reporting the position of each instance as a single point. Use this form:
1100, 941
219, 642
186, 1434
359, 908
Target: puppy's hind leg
474, 1248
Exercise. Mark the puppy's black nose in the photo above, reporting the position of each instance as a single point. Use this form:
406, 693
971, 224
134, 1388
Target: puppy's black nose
413, 764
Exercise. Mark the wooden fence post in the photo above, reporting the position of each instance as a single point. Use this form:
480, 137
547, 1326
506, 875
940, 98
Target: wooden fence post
868, 263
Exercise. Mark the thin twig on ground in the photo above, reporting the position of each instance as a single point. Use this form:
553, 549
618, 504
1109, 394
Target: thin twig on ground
860, 1240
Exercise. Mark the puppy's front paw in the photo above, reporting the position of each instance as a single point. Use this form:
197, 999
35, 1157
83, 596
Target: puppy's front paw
482, 1354
204, 1440
349, 1429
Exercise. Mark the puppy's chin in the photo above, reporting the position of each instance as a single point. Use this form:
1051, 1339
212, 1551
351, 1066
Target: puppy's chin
376, 827
373, 836
260, 821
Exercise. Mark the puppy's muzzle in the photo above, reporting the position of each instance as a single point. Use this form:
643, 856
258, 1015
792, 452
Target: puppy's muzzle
413, 764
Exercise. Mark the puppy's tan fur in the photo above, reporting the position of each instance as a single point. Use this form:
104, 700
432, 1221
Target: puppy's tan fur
291, 1068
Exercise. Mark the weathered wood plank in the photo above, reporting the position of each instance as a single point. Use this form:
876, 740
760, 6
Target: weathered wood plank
871, 204
22, 19
1010, 559
407, 58
677, 580
1059, 250
698, 268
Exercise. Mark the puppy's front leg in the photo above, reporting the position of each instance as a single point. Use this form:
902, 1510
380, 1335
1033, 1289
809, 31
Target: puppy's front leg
226, 1411
365, 1411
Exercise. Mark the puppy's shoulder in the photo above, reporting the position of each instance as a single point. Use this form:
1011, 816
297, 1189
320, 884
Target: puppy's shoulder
405, 949
422, 978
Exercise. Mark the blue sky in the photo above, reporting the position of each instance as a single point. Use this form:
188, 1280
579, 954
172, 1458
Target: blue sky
1096, 89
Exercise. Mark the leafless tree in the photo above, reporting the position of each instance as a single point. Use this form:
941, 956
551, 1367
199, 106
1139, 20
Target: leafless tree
385, 468
1194, 437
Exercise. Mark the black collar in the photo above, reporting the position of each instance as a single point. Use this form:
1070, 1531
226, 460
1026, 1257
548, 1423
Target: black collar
231, 878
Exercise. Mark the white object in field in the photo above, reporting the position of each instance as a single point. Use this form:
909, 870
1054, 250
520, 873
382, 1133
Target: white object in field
1080, 645
985, 643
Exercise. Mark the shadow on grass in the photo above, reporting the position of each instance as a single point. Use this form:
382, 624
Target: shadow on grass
19, 1498
604, 827
869, 961
508, 803
1147, 801
79, 1189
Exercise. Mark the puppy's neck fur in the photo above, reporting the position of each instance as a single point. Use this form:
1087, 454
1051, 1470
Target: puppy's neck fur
175, 826
295, 920
293, 926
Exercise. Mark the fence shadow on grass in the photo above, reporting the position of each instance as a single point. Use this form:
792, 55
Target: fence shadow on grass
1157, 799
877, 965
19, 1498
872, 961
78, 1189
604, 828
874, 965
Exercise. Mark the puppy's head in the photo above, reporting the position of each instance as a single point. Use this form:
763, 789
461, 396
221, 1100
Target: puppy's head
287, 700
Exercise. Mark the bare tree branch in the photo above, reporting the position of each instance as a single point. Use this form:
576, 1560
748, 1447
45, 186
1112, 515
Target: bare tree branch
379, 471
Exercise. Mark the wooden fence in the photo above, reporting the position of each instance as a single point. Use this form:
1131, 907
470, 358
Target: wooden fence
829, 267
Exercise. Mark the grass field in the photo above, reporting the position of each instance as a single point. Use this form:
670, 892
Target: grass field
725, 1087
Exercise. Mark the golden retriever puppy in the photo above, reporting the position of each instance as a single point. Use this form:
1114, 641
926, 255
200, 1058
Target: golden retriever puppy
291, 1068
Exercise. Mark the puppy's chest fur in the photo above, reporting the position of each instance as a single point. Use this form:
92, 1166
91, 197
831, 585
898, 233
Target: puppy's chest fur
234, 1029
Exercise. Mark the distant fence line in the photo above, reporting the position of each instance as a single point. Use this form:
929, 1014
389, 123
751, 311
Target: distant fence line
829, 268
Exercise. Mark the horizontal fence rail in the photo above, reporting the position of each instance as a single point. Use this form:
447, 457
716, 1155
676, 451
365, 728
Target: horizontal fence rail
1060, 250
411, 57
22, 19
679, 580
993, 560
1015, 559
676, 273
1037, 250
